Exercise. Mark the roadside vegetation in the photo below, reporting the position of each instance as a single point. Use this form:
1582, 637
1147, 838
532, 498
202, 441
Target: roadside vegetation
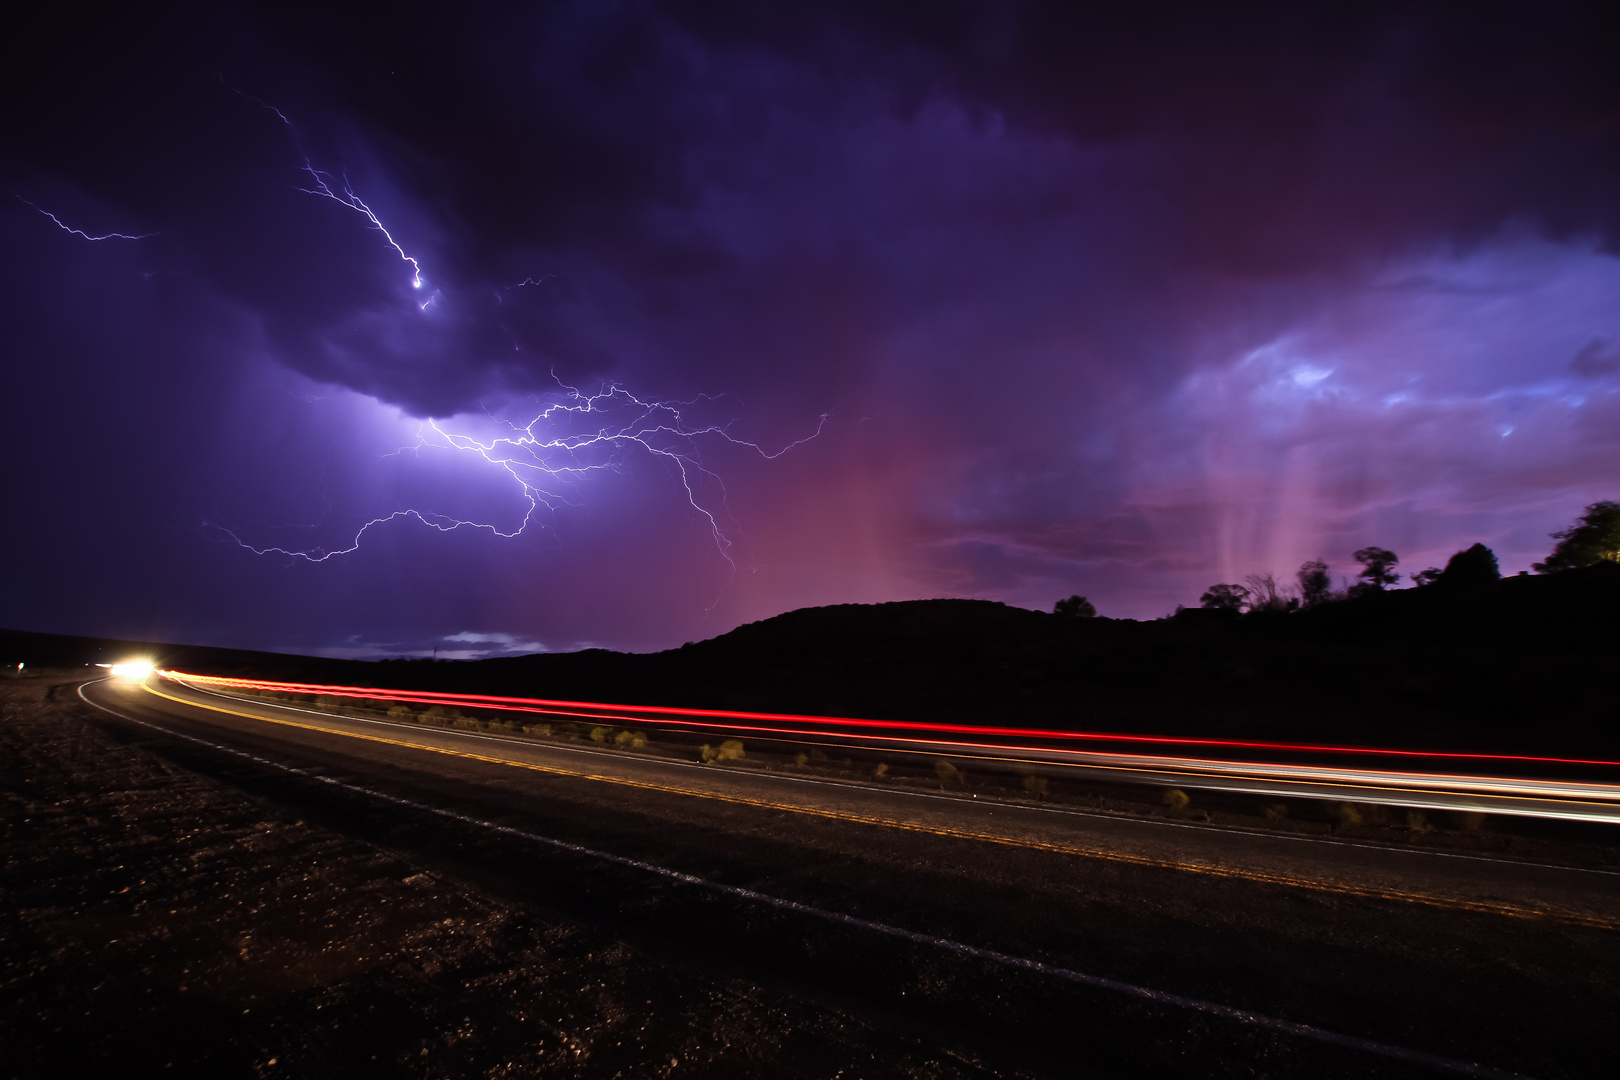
1593, 539
1018, 783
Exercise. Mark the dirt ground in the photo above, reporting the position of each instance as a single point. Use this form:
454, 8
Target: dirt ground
155, 922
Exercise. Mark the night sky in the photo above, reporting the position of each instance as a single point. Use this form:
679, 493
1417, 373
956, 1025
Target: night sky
865, 302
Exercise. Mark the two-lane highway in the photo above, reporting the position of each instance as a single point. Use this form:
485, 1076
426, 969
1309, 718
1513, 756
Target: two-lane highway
1556, 788
1419, 959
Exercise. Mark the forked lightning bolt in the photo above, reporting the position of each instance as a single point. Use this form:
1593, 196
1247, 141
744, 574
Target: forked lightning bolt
575, 436
80, 232
343, 195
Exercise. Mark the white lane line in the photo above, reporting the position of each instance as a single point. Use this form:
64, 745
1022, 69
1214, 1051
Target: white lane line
1099, 982
1223, 830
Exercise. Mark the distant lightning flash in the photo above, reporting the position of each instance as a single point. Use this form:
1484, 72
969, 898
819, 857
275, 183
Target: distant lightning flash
570, 439
80, 232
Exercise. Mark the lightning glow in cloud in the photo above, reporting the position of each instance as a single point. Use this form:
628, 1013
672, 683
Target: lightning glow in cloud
548, 458
576, 435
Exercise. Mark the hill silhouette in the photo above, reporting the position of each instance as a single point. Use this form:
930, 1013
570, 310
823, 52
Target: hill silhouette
1523, 663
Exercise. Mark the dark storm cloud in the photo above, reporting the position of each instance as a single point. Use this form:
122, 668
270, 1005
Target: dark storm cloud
1100, 300
1598, 357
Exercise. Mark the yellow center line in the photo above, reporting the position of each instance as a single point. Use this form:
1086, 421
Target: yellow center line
1368, 892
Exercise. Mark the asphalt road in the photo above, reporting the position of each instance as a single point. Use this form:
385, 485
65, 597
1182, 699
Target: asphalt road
1051, 941
1537, 787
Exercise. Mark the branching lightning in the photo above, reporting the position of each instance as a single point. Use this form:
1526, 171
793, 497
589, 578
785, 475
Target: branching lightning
573, 437
541, 280
353, 202
343, 194
80, 232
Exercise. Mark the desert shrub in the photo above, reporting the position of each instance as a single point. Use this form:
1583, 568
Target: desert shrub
328, 700
1035, 785
632, 739
1175, 799
948, 774
818, 757
599, 734
731, 750
706, 753
401, 712
537, 729
801, 759
1346, 814
438, 712
1075, 607
1416, 820
881, 771
1276, 814
1469, 820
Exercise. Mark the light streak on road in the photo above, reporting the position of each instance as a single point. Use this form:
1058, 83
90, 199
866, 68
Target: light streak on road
1141, 759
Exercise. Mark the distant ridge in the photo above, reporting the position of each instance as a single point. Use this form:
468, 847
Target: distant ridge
1521, 664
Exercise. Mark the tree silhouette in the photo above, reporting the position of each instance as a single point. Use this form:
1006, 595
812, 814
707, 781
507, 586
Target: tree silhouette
1429, 576
1474, 566
1377, 569
1594, 538
1075, 607
1224, 598
1315, 585
1266, 595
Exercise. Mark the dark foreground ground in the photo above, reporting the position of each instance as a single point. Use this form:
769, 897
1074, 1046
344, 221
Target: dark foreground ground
169, 909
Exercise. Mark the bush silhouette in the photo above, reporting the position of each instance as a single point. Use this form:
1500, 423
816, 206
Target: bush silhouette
1594, 538
1377, 569
1475, 566
1224, 598
1075, 607
1315, 583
